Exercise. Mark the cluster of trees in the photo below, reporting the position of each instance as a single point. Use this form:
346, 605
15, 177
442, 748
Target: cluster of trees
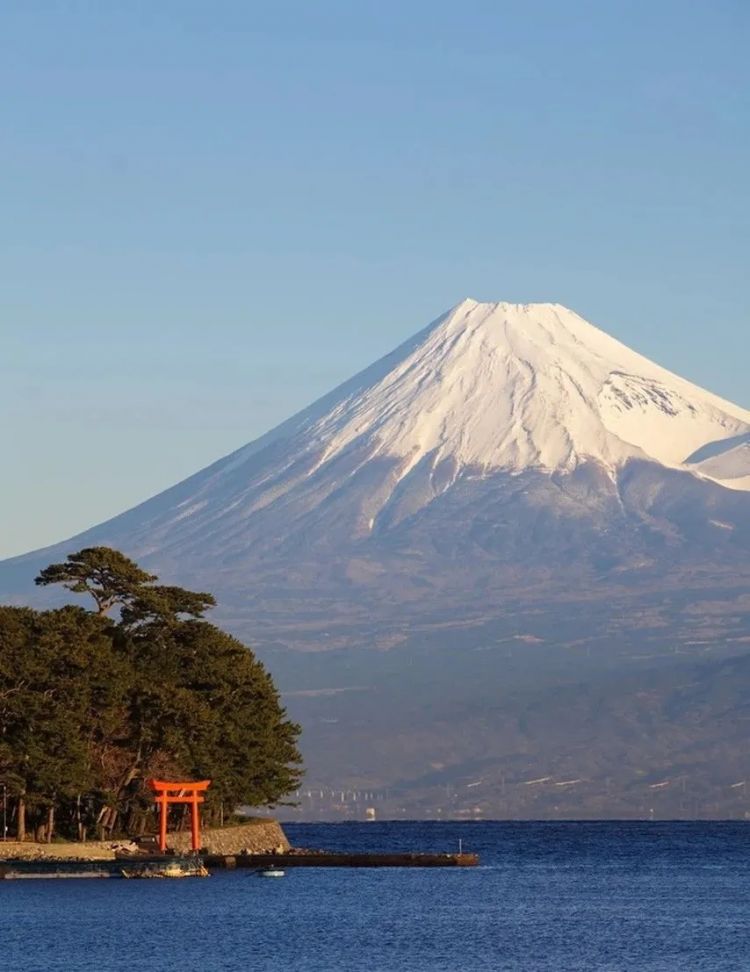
92, 705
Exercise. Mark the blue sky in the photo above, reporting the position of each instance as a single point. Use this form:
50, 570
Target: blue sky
214, 212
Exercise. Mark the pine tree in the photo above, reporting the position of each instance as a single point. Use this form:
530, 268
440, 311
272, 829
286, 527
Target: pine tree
90, 706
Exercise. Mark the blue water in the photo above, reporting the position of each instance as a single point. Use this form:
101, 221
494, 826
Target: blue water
559, 897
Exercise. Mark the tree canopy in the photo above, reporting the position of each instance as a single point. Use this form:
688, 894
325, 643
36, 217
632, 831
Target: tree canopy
107, 575
91, 706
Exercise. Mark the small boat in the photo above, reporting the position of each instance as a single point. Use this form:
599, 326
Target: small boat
271, 872
174, 869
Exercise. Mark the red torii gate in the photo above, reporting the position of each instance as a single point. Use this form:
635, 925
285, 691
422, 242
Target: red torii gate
191, 792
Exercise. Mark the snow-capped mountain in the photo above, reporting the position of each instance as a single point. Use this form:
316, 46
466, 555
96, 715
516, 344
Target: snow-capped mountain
510, 498
515, 387
488, 395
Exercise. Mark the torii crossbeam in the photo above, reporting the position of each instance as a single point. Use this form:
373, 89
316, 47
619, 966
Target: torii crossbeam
168, 792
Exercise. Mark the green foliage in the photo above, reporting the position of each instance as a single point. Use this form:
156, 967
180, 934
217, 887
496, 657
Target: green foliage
107, 575
164, 604
90, 707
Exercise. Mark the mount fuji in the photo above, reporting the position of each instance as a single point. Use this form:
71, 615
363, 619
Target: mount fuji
511, 501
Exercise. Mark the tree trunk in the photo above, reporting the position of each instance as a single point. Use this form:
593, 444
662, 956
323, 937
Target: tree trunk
79, 820
50, 823
100, 821
109, 812
110, 821
21, 819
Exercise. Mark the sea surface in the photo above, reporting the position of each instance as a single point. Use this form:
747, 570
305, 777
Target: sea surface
548, 896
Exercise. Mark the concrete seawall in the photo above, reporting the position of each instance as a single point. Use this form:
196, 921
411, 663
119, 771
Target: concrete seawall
333, 859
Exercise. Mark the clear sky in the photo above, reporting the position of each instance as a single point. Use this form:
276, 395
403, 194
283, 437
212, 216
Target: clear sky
213, 212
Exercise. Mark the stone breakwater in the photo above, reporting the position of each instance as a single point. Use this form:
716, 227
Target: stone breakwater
254, 837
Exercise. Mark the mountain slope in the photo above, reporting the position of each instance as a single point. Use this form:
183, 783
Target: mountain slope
511, 476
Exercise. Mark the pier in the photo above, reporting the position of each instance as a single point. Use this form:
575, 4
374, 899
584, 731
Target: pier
60, 868
337, 859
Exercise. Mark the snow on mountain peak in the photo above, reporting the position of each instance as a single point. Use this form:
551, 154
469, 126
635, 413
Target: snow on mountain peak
499, 386
486, 390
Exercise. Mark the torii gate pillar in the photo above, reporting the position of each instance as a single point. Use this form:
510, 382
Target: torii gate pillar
192, 793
